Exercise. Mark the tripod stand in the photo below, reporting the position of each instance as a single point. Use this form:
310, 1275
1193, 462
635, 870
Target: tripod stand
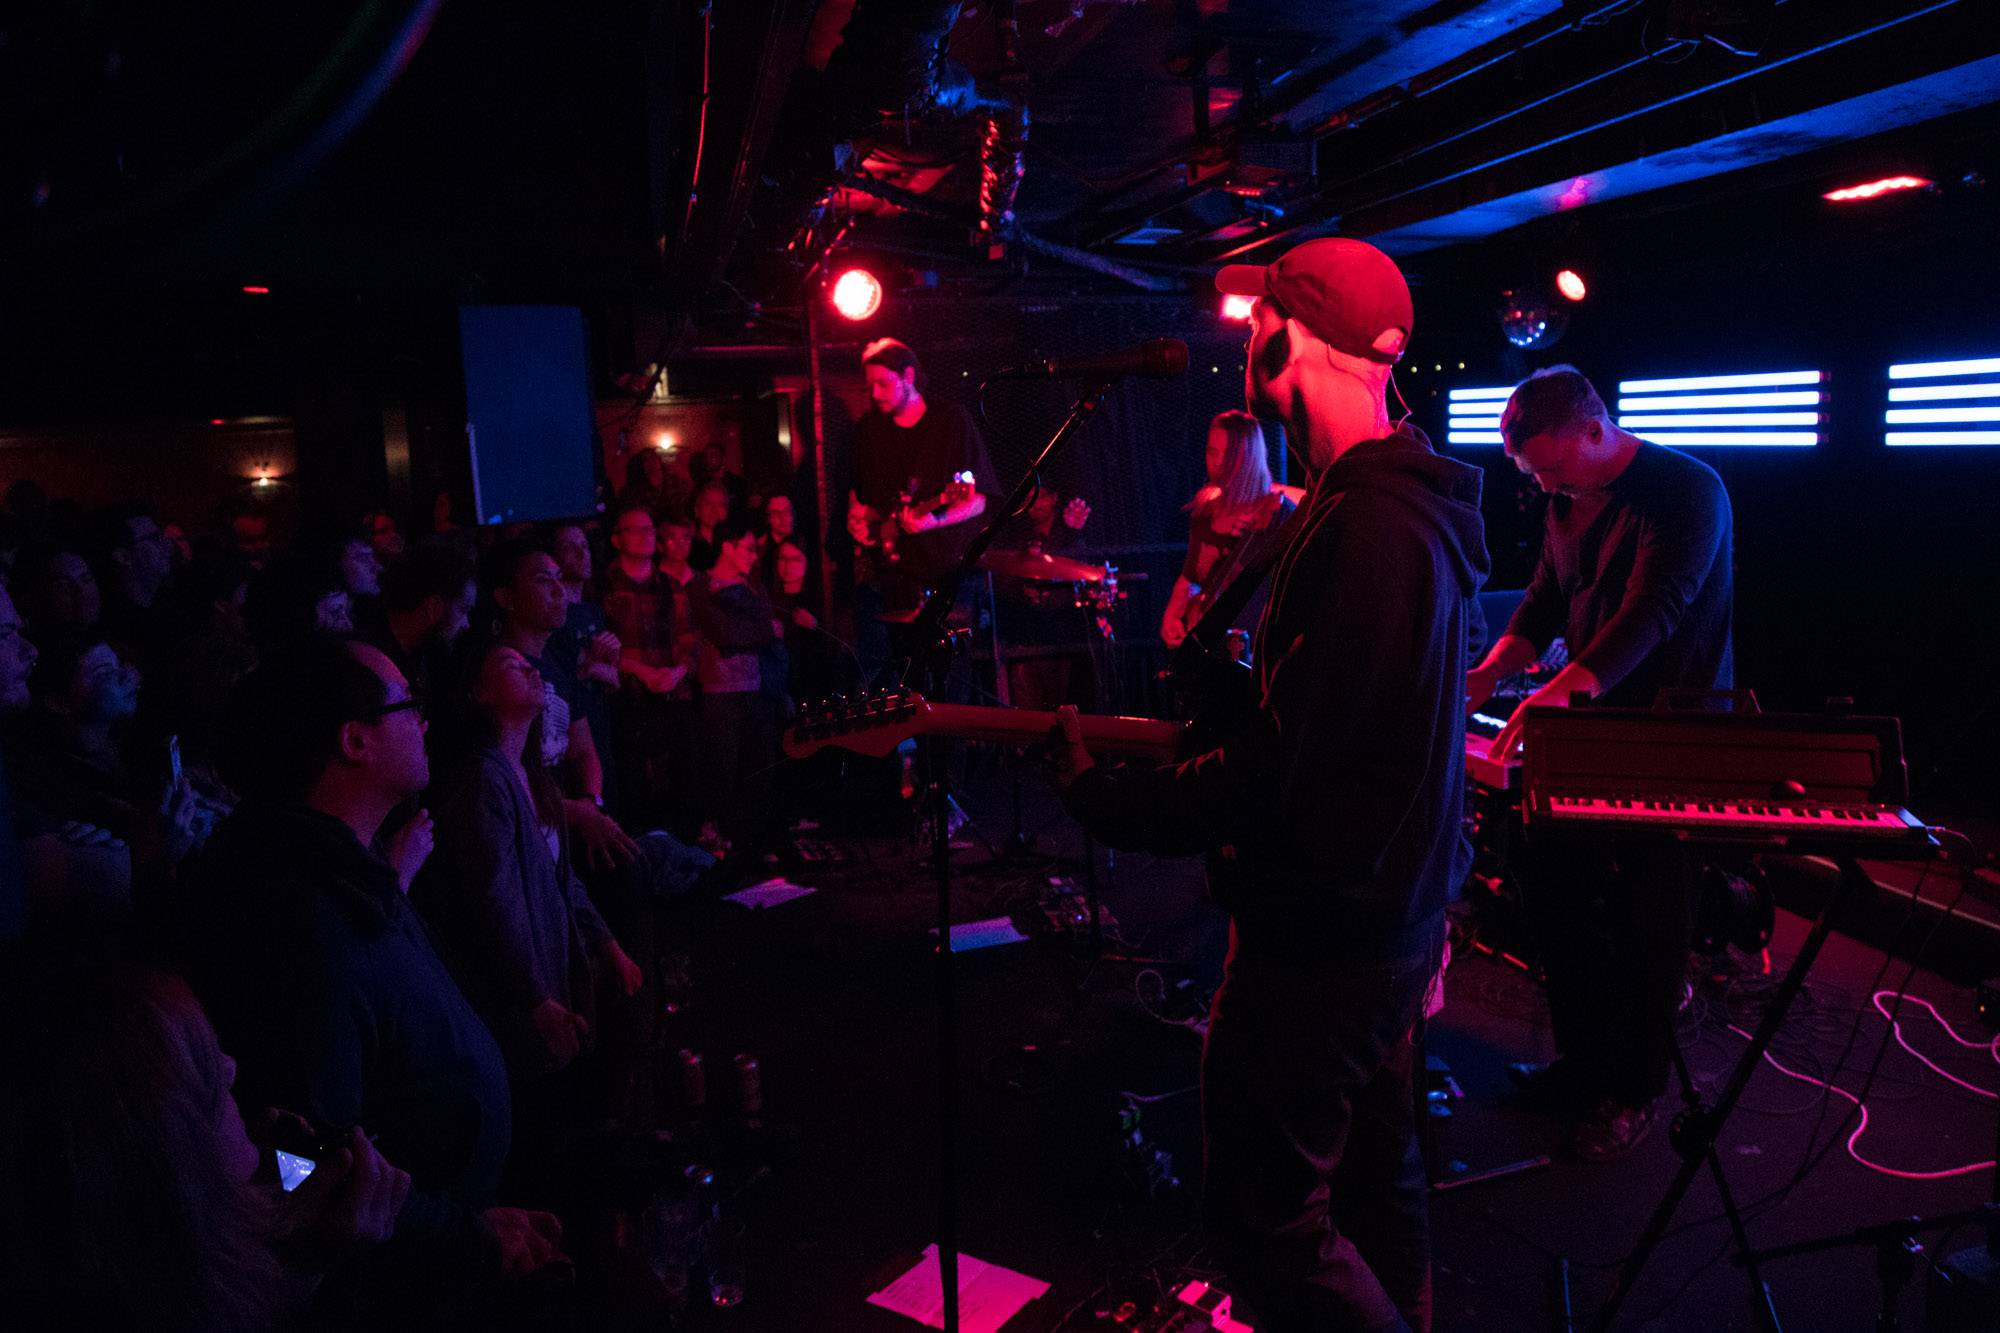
1696, 1128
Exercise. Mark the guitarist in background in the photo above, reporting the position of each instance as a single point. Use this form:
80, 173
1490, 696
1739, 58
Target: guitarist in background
910, 457
1240, 497
1335, 812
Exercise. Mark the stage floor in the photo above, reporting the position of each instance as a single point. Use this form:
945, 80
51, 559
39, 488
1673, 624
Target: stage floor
833, 994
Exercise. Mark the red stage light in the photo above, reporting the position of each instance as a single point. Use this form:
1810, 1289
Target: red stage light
1237, 307
1872, 189
1570, 283
256, 291
217, 421
857, 294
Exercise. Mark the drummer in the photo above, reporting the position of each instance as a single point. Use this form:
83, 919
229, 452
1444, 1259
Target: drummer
1044, 637
1038, 528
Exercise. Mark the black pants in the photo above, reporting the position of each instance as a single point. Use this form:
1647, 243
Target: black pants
1614, 923
1315, 1194
739, 749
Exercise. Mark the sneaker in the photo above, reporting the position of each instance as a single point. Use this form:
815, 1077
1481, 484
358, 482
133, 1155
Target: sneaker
1609, 1130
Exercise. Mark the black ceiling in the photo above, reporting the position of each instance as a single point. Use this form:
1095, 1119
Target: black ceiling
537, 151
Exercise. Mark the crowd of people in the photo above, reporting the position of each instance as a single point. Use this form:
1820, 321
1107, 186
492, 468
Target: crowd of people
371, 839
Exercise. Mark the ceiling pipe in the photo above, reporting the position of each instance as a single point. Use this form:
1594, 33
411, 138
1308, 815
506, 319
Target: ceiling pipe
1275, 104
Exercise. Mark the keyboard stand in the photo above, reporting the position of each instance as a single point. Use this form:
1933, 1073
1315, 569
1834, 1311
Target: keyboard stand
1698, 1125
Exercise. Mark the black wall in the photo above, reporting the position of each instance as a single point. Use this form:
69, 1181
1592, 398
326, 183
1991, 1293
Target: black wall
1862, 571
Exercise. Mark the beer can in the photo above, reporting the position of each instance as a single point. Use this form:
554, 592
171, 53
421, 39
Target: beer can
749, 1085
694, 1079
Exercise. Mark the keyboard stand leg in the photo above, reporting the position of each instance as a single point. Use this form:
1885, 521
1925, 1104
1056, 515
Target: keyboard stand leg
1696, 1128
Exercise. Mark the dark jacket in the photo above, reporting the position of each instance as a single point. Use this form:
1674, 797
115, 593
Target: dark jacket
514, 923
1334, 813
322, 982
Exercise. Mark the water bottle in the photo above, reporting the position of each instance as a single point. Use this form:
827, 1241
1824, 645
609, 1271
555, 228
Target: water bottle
722, 1241
668, 1236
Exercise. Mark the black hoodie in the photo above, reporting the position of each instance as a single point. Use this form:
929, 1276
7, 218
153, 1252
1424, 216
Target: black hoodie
322, 982
1333, 817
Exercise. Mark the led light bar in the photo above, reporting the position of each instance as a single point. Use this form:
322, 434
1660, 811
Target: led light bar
1704, 409
1766, 380
1928, 393
1502, 393
1930, 370
1492, 410
1897, 439
1473, 437
1910, 416
1689, 401
1971, 386
1722, 419
1787, 438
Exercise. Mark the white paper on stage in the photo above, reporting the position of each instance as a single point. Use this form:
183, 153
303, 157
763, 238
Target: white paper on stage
770, 893
988, 1295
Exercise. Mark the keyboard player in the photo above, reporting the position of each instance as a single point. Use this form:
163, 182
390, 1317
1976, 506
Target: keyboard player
1634, 573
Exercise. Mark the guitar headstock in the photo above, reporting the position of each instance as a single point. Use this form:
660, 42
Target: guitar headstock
874, 723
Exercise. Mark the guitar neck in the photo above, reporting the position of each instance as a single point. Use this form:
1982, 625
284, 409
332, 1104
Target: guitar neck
1132, 737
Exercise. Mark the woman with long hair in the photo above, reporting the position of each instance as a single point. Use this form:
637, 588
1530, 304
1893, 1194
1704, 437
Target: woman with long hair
1239, 484
518, 929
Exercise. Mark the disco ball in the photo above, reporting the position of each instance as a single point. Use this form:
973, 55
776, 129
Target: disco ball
1529, 322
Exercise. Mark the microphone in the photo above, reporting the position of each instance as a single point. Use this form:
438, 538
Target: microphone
1154, 359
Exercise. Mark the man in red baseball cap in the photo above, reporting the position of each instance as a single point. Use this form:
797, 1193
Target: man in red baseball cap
1332, 821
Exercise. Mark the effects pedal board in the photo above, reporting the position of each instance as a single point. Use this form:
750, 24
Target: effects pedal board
1196, 1307
1066, 910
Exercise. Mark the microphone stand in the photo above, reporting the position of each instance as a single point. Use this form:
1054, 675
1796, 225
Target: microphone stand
933, 642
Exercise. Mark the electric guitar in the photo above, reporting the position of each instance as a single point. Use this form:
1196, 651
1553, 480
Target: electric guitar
957, 491
1212, 686
876, 724
1263, 530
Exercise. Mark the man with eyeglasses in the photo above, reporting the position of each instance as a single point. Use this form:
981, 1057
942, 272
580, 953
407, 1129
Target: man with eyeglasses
1332, 818
323, 981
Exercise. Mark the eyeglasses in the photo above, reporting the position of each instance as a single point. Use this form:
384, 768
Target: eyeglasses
415, 702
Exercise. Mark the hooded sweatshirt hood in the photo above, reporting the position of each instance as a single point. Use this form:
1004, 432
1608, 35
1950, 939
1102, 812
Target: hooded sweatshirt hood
1445, 492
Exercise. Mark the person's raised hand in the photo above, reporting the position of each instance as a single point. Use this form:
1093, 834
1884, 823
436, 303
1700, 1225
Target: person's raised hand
174, 831
1076, 513
352, 1197
529, 1240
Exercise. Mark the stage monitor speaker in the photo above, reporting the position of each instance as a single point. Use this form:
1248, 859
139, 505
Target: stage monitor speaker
528, 412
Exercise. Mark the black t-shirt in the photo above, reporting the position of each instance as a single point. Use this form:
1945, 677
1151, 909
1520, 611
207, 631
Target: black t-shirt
1637, 578
919, 461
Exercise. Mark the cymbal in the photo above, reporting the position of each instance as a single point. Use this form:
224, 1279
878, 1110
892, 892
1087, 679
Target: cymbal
1040, 567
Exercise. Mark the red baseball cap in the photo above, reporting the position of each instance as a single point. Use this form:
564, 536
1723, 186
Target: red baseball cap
1346, 292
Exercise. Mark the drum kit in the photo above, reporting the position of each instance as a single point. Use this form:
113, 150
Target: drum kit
1036, 578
